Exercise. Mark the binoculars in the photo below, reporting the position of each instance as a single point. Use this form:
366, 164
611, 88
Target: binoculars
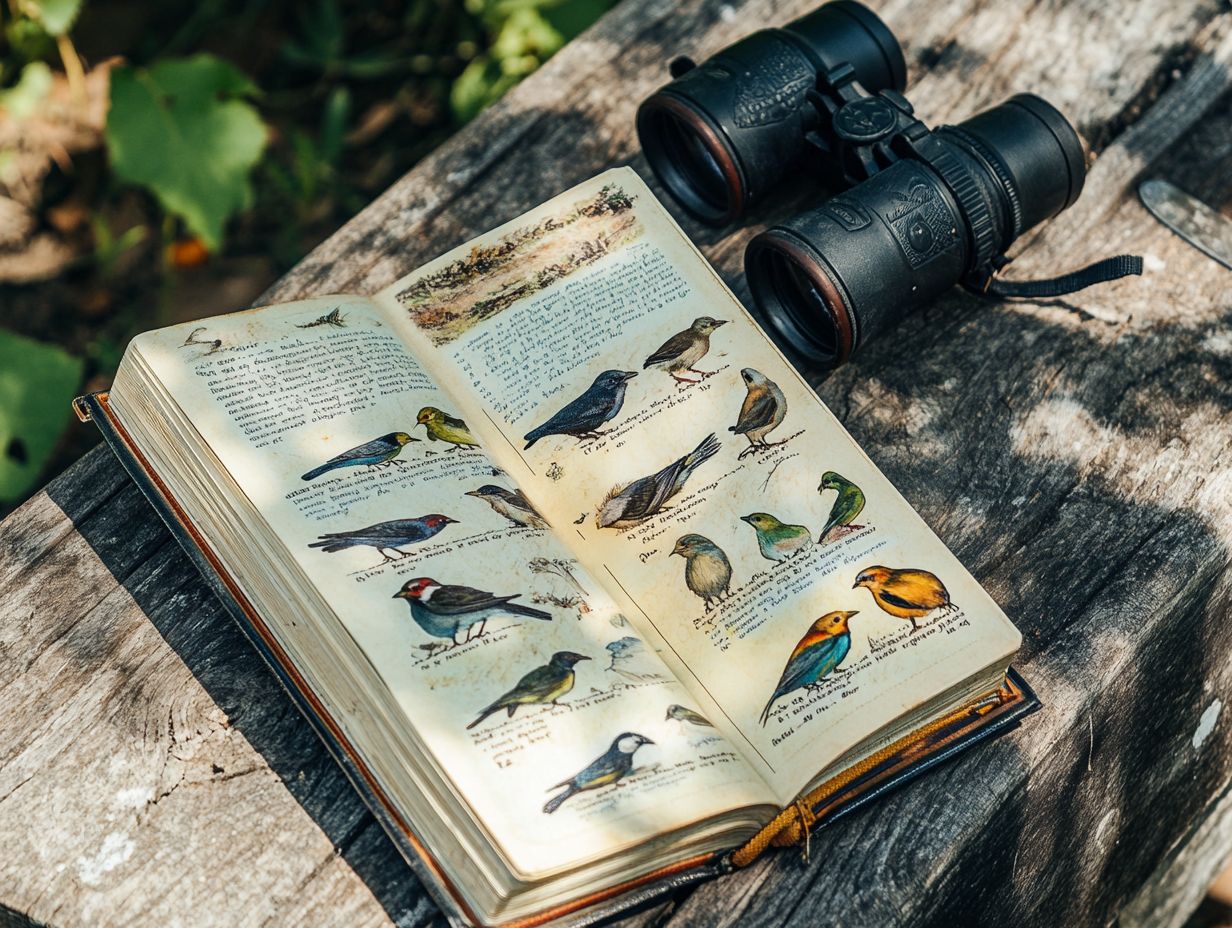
921, 209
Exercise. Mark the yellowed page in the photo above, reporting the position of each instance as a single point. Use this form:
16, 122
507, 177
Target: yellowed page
277, 395
529, 316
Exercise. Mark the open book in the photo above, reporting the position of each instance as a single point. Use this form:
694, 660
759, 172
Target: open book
579, 572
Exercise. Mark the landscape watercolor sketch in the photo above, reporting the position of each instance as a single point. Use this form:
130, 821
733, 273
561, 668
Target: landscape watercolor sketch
449, 302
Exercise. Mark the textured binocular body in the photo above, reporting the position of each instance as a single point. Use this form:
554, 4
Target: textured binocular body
921, 209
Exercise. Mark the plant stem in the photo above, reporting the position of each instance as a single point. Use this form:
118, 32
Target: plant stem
72, 69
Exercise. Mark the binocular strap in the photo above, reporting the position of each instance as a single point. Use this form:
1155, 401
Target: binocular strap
1097, 273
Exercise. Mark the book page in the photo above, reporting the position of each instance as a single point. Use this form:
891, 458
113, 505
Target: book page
504, 654
698, 476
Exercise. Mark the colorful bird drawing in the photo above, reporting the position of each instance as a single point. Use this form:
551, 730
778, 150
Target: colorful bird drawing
776, 540
581, 418
441, 426
542, 686
687, 717
386, 536
905, 594
637, 501
445, 611
763, 411
511, 504
817, 655
380, 452
632, 660
847, 505
684, 349
608, 768
707, 572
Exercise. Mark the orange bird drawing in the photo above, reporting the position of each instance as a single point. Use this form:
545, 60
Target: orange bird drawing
905, 594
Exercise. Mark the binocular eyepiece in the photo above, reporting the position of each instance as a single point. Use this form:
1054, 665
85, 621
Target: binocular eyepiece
726, 132
925, 209
831, 278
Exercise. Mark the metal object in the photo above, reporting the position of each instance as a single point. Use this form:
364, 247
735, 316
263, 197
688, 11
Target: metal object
927, 209
1206, 229
725, 133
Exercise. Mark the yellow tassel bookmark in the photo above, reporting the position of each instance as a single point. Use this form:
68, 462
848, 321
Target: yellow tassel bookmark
795, 823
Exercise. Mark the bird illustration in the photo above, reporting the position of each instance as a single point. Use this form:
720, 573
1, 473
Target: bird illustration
763, 411
632, 660
582, 417
847, 504
511, 504
609, 767
386, 536
776, 540
380, 452
683, 715
542, 686
445, 611
905, 594
443, 427
707, 572
684, 349
815, 657
637, 501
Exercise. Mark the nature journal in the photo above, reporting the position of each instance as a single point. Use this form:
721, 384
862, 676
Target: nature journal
581, 574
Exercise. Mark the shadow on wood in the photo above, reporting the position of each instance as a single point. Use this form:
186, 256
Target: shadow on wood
145, 560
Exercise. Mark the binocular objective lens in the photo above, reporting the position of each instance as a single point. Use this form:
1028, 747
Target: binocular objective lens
686, 162
695, 162
801, 312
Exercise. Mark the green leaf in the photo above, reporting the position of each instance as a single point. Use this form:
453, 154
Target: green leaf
37, 384
182, 130
481, 82
334, 119
56, 16
28, 41
525, 33
23, 99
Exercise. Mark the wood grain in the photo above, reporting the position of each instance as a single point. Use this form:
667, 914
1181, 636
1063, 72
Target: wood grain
1075, 454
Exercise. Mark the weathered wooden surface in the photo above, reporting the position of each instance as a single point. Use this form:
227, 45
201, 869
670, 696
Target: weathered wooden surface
1076, 455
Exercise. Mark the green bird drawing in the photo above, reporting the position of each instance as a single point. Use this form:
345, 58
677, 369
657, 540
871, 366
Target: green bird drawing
683, 715
847, 505
777, 540
443, 427
542, 686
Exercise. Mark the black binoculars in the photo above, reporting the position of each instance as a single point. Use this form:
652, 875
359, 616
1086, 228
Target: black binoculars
923, 209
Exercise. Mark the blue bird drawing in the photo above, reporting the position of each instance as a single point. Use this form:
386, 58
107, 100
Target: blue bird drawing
386, 536
815, 657
376, 453
608, 768
581, 418
446, 610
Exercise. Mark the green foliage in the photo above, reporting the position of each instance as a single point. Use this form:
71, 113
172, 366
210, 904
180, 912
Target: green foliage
23, 99
184, 130
525, 34
322, 46
55, 16
109, 248
37, 384
27, 41
353, 95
